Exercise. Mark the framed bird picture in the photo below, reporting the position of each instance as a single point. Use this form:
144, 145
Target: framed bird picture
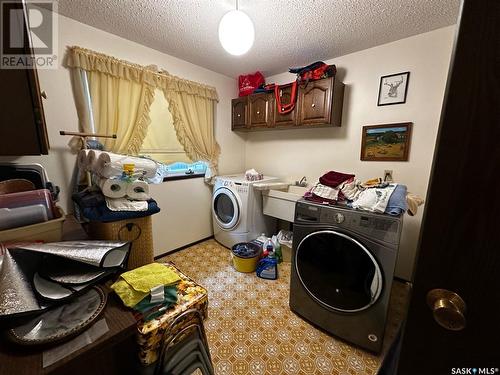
393, 89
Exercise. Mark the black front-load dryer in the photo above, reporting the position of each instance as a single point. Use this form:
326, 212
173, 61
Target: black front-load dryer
343, 263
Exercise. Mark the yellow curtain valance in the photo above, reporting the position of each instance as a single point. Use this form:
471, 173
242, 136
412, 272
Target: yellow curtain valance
89, 60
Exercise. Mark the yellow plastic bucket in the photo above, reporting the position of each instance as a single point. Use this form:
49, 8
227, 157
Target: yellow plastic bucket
246, 261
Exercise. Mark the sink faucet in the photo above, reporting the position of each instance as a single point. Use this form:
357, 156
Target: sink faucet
302, 182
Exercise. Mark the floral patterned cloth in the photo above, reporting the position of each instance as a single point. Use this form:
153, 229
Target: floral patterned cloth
150, 334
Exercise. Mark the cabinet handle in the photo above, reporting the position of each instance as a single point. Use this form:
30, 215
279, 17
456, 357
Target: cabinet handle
313, 105
239, 115
258, 112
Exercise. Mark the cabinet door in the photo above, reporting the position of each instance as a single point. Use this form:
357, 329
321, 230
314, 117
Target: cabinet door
22, 121
315, 101
260, 110
239, 113
287, 119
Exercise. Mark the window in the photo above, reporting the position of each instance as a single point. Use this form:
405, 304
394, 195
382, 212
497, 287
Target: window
161, 142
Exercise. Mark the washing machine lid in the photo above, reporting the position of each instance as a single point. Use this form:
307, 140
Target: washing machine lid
225, 208
338, 271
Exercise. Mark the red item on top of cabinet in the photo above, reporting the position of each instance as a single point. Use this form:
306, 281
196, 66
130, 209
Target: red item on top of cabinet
248, 83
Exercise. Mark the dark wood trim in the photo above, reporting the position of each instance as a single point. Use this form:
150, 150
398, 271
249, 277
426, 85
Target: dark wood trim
182, 248
183, 177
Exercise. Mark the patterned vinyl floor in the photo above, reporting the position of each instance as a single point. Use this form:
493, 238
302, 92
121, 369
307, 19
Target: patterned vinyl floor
251, 329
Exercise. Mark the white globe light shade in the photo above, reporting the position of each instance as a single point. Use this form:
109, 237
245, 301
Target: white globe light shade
236, 32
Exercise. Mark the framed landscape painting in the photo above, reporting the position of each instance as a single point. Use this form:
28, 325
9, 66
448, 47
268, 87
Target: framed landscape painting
387, 142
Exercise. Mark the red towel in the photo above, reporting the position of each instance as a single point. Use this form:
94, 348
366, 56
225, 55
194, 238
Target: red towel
334, 179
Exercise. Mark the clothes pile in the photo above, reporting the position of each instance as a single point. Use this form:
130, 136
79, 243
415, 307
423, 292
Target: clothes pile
149, 290
120, 188
372, 195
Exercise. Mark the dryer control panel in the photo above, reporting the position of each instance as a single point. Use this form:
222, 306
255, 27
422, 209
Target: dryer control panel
241, 188
377, 226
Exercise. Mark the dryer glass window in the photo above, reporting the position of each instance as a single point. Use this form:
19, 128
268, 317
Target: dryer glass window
338, 271
224, 208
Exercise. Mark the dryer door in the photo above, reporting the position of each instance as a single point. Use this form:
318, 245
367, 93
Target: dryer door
225, 208
338, 271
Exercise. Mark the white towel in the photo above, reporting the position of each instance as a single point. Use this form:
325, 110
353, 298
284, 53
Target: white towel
351, 189
124, 204
326, 192
374, 199
111, 165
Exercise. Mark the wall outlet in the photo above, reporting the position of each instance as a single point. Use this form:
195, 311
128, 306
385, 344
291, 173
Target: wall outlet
388, 175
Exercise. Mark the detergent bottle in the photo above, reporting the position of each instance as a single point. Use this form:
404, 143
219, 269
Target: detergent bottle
277, 249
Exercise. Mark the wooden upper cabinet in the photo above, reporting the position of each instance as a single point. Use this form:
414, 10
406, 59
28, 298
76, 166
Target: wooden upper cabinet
319, 104
287, 119
260, 110
315, 100
239, 113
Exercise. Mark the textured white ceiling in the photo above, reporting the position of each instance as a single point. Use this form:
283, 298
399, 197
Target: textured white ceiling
287, 32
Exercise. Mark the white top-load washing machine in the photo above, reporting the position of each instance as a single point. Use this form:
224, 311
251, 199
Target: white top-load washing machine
237, 210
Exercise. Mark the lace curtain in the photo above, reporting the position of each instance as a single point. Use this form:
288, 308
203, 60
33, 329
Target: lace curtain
122, 93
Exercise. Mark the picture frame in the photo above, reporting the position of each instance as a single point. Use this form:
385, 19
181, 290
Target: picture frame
393, 89
386, 142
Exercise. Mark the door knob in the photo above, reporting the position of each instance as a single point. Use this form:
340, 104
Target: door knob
448, 309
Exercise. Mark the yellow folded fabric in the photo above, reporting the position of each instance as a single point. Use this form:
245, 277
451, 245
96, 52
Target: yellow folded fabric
146, 277
127, 294
133, 286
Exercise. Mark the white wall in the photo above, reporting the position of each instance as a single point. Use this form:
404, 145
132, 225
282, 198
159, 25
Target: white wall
311, 152
60, 114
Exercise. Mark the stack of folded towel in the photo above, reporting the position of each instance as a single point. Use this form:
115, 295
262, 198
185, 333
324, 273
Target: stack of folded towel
149, 290
372, 195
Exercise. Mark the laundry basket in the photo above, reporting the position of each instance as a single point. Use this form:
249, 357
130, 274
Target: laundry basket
139, 231
245, 256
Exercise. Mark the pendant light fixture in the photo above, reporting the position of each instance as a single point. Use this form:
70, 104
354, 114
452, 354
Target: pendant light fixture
236, 32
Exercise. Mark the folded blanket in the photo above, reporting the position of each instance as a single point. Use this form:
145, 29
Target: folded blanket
125, 204
334, 179
326, 192
397, 201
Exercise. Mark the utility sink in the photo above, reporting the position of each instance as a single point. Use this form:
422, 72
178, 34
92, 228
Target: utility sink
279, 201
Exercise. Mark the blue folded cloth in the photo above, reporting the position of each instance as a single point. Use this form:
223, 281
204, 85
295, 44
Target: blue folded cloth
92, 205
397, 201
